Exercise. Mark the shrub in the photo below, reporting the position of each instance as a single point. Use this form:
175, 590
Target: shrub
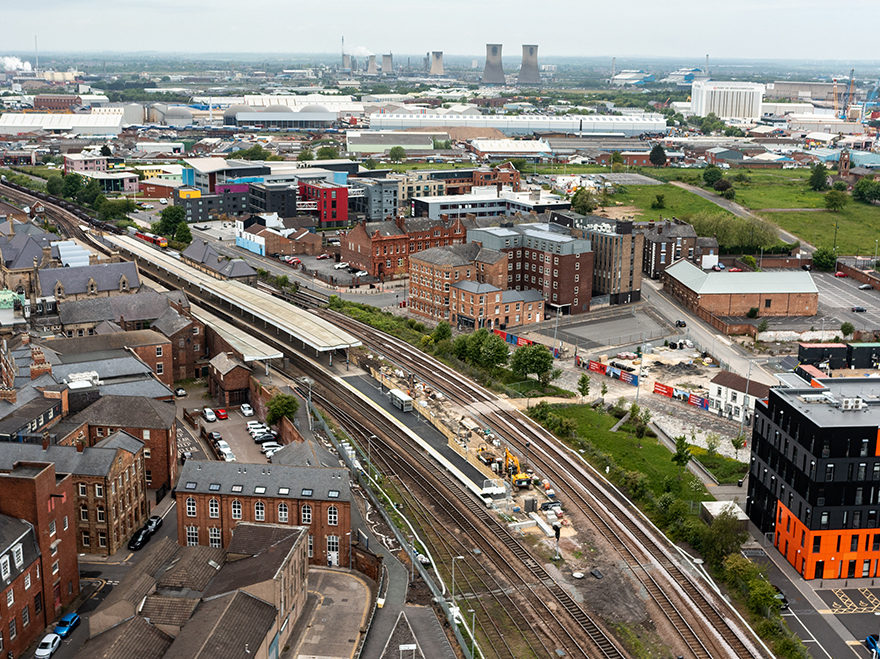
753, 312
729, 194
721, 185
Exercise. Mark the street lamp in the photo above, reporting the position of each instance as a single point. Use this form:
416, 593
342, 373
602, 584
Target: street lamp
454, 558
474, 631
349, 549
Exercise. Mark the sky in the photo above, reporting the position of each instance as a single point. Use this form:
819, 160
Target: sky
728, 29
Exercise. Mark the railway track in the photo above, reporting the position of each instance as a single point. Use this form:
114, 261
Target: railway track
689, 607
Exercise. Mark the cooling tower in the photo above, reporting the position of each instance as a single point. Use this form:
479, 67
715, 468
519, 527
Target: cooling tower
528, 72
371, 66
437, 63
493, 74
387, 64
346, 61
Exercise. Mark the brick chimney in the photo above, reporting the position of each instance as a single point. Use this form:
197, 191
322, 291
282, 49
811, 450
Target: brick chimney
39, 365
8, 395
25, 339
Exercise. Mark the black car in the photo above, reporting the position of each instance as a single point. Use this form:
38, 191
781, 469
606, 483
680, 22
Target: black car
859, 309
214, 436
139, 539
262, 439
783, 600
153, 524
680, 323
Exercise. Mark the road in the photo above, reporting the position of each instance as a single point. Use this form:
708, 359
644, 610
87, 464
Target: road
741, 211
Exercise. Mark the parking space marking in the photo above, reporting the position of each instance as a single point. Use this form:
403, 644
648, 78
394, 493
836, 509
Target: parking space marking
845, 605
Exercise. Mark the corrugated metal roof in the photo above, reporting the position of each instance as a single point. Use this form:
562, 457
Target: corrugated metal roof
723, 283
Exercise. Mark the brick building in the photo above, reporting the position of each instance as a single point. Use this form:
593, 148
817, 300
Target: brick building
665, 243
108, 483
630, 158
330, 202
35, 493
213, 497
83, 162
474, 306
383, 248
89, 281
57, 102
154, 422
22, 614
229, 380
188, 348
791, 293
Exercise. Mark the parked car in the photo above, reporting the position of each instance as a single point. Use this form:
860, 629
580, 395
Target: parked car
47, 646
220, 444
840, 273
66, 624
341, 265
246, 410
269, 446
321, 257
255, 424
208, 415
865, 287
226, 455
859, 309
180, 392
139, 539
361, 273
154, 523
680, 323
214, 436
783, 600
806, 266
221, 414
253, 431
263, 439
735, 270
269, 454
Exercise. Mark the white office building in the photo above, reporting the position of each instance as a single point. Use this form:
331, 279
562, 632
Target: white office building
726, 99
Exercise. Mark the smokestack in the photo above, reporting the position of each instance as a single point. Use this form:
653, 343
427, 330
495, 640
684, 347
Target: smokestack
707, 64
371, 66
528, 72
613, 62
437, 63
346, 61
493, 73
387, 64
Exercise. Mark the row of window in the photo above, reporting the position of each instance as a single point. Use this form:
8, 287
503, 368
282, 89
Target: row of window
260, 511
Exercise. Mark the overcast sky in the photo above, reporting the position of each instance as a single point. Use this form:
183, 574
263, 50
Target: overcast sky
777, 29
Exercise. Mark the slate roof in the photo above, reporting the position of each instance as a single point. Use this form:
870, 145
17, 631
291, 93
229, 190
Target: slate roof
224, 363
741, 384
133, 639
121, 440
163, 610
170, 322
12, 532
129, 411
304, 454
21, 250
192, 568
256, 539
92, 461
109, 364
423, 224
457, 255
732, 283
85, 344
143, 305
670, 230
475, 287
148, 387
197, 476
75, 280
384, 228
201, 252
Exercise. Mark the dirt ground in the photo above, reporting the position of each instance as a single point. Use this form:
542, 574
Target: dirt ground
618, 212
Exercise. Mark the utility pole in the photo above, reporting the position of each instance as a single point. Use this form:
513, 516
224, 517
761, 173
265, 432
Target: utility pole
748, 381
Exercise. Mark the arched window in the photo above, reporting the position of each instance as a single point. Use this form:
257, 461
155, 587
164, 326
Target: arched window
282, 513
190, 507
236, 509
306, 514
214, 508
333, 516
259, 511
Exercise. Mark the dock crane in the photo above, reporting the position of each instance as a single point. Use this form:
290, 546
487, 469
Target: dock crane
513, 469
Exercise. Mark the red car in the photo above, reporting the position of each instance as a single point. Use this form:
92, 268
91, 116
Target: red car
221, 414
321, 257
839, 274
735, 270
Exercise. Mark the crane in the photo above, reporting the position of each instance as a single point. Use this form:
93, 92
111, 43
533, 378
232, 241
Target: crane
512, 468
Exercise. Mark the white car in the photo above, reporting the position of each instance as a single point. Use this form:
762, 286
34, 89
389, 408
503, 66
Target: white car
254, 431
226, 455
246, 410
341, 265
269, 454
255, 424
270, 446
208, 415
47, 646
361, 273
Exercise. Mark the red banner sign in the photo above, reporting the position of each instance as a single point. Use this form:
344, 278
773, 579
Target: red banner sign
663, 389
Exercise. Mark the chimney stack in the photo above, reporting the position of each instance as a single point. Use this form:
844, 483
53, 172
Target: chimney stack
387, 64
437, 64
528, 72
493, 73
371, 66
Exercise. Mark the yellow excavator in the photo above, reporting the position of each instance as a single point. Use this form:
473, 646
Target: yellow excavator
514, 471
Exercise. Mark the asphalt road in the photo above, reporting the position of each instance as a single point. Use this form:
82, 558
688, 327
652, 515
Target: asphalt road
837, 296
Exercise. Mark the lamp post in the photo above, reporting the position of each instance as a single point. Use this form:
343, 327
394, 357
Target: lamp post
474, 631
349, 549
454, 558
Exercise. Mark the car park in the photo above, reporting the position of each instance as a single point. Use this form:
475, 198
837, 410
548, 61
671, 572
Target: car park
840, 273
341, 265
139, 539
221, 414
865, 287
253, 424
269, 454
246, 410
213, 435
220, 444
859, 309
780, 596
154, 523
66, 624
47, 646
253, 431
208, 415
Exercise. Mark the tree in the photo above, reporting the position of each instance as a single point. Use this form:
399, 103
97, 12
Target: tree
583, 202
256, 152
835, 200
54, 185
658, 156
327, 153
305, 154
534, 358
397, 154
866, 190
281, 406
519, 164
105, 151
733, 131
72, 184
182, 234
369, 163
847, 329
839, 185
442, 332
584, 385
749, 261
88, 194
169, 218
712, 174
818, 177
493, 352
604, 389
723, 537
721, 185
659, 202
616, 158
713, 441
762, 597
763, 325
824, 259
738, 443
682, 454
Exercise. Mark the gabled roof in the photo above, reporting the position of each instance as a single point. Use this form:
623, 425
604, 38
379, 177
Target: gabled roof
739, 383
96, 343
170, 322
458, 255
133, 639
92, 461
121, 440
726, 283
225, 363
128, 411
143, 305
107, 277
201, 252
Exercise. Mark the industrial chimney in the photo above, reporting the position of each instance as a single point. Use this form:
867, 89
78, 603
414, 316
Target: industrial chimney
493, 73
528, 72
437, 63
387, 64
346, 61
371, 66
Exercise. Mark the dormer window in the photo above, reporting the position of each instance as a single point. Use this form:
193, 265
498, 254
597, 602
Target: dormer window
123, 283
59, 290
93, 287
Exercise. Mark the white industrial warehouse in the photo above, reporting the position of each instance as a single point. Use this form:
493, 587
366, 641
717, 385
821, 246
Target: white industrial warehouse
626, 125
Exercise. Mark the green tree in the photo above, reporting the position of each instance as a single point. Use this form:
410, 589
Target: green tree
763, 325
824, 259
659, 202
761, 597
749, 261
256, 152
519, 164
442, 332
839, 185
713, 441
72, 184
305, 154
369, 163
658, 156
493, 352
169, 218
733, 131
583, 385
712, 174
88, 194
738, 443
866, 190
616, 158
835, 200
818, 177
280, 406
475, 343
397, 154
721, 185
182, 234
723, 537
534, 358
460, 347
604, 389
105, 151
682, 454
583, 201
847, 329
327, 153
54, 185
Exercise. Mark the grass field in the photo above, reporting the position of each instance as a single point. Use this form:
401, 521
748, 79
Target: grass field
858, 226
40, 170
679, 203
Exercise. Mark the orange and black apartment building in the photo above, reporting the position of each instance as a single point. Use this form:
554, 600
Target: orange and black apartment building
814, 481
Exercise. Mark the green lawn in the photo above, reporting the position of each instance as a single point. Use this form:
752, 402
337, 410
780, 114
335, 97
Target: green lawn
858, 226
40, 170
680, 203
727, 470
781, 193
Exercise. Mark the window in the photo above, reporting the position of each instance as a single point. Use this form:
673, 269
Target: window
55, 567
311, 546
86, 538
767, 303
149, 476
214, 537
190, 507
17, 555
332, 543
260, 489
307, 492
260, 511
102, 514
25, 616
192, 536
52, 528
214, 487
333, 516
27, 581
64, 523
99, 490
158, 351
38, 602
306, 514
282, 513
214, 508
236, 509
83, 489
160, 368
10, 598
829, 472
12, 630
102, 539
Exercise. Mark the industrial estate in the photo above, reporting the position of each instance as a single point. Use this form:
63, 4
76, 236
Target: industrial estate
431, 355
